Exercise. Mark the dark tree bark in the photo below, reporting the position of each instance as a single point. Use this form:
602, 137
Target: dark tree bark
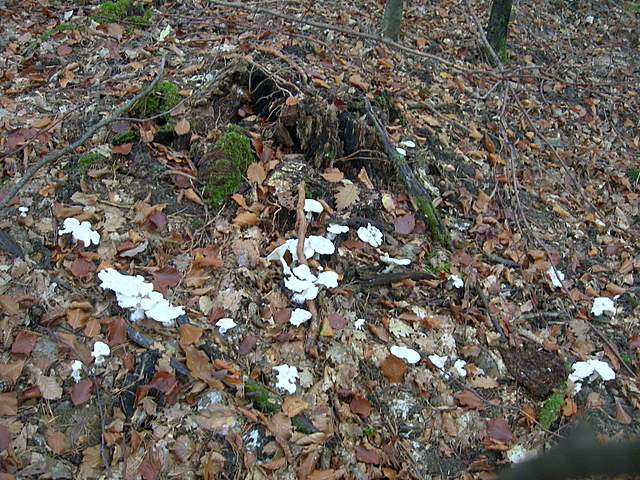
498, 27
392, 19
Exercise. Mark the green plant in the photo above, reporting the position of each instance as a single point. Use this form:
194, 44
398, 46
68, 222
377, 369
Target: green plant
125, 137
439, 234
368, 431
85, 162
197, 223
234, 154
550, 410
633, 174
260, 397
63, 27
164, 97
123, 11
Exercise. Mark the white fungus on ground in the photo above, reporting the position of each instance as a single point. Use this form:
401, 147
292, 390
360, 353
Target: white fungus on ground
455, 281
100, 352
314, 206
133, 292
370, 235
23, 211
602, 305
408, 354
299, 316
359, 323
337, 229
225, 324
76, 370
583, 370
287, 377
80, 231
438, 361
459, 365
394, 261
556, 277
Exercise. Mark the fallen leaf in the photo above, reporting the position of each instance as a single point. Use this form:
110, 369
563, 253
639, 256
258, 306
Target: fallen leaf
92, 328
81, 268
5, 438
81, 391
124, 149
332, 175
356, 81
49, 387
207, 257
200, 367
57, 442
189, 334
247, 344
117, 331
621, 414
9, 305
346, 196
246, 218
256, 173
467, 398
10, 372
182, 126
337, 322
293, 406
24, 342
499, 430
393, 368
365, 455
405, 224
114, 30
363, 176
165, 278
151, 466
8, 404
360, 406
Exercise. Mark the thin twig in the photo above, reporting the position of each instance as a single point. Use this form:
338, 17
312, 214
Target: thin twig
53, 156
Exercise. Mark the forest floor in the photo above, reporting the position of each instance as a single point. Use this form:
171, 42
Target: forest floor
533, 167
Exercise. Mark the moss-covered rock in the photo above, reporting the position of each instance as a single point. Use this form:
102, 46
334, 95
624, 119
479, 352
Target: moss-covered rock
123, 11
164, 97
226, 166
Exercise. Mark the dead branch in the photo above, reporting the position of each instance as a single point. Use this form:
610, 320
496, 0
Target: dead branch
53, 156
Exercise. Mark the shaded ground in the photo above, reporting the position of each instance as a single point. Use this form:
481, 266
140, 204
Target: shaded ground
541, 170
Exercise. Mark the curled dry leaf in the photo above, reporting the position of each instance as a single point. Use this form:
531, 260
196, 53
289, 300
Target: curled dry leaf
81, 391
346, 196
49, 387
10, 372
365, 455
24, 343
393, 368
182, 126
360, 406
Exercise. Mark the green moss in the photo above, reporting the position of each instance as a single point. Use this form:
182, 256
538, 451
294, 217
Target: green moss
125, 137
260, 397
125, 11
303, 424
227, 171
85, 162
442, 267
197, 223
368, 431
439, 234
384, 101
163, 98
550, 410
633, 174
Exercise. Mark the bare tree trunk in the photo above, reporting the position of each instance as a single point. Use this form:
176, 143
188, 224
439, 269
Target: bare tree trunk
392, 19
498, 26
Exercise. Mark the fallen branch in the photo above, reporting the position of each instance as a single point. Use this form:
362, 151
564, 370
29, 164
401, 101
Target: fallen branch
55, 155
415, 188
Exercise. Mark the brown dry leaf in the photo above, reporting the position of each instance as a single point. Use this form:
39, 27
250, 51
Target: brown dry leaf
360, 406
393, 368
8, 404
405, 224
9, 305
293, 406
166, 277
256, 173
499, 430
363, 176
189, 334
569, 407
207, 257
356, 80
365, 455
49, 387
467, 398
114, 30
117, 331
57, 442
191, 195
621, 414
201, 368
332, 175
216, 418
346, 196
92, 328
329, 474
246, 218
182, 126
77, 318
10, 372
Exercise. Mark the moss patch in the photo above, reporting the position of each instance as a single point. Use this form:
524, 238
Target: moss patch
85, 162
164, 97
123, 11
439, 234
125, 137
550, 410
260, 397
233, 155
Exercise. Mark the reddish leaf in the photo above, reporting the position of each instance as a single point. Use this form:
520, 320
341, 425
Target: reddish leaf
163, 382
117, 331
167, 277
124, 149
467, 398
57, 442
5, 438
393, 368
30, 393
92, 328
150, 467
157, 221
247, 344
24, 343
207, 257
215, 314
337, 322
81, 391
64, 50
365, 455
499, 430
82, 268
404, 225
360, 406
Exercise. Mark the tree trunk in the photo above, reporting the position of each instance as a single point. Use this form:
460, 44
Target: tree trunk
392, 20
498, 25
